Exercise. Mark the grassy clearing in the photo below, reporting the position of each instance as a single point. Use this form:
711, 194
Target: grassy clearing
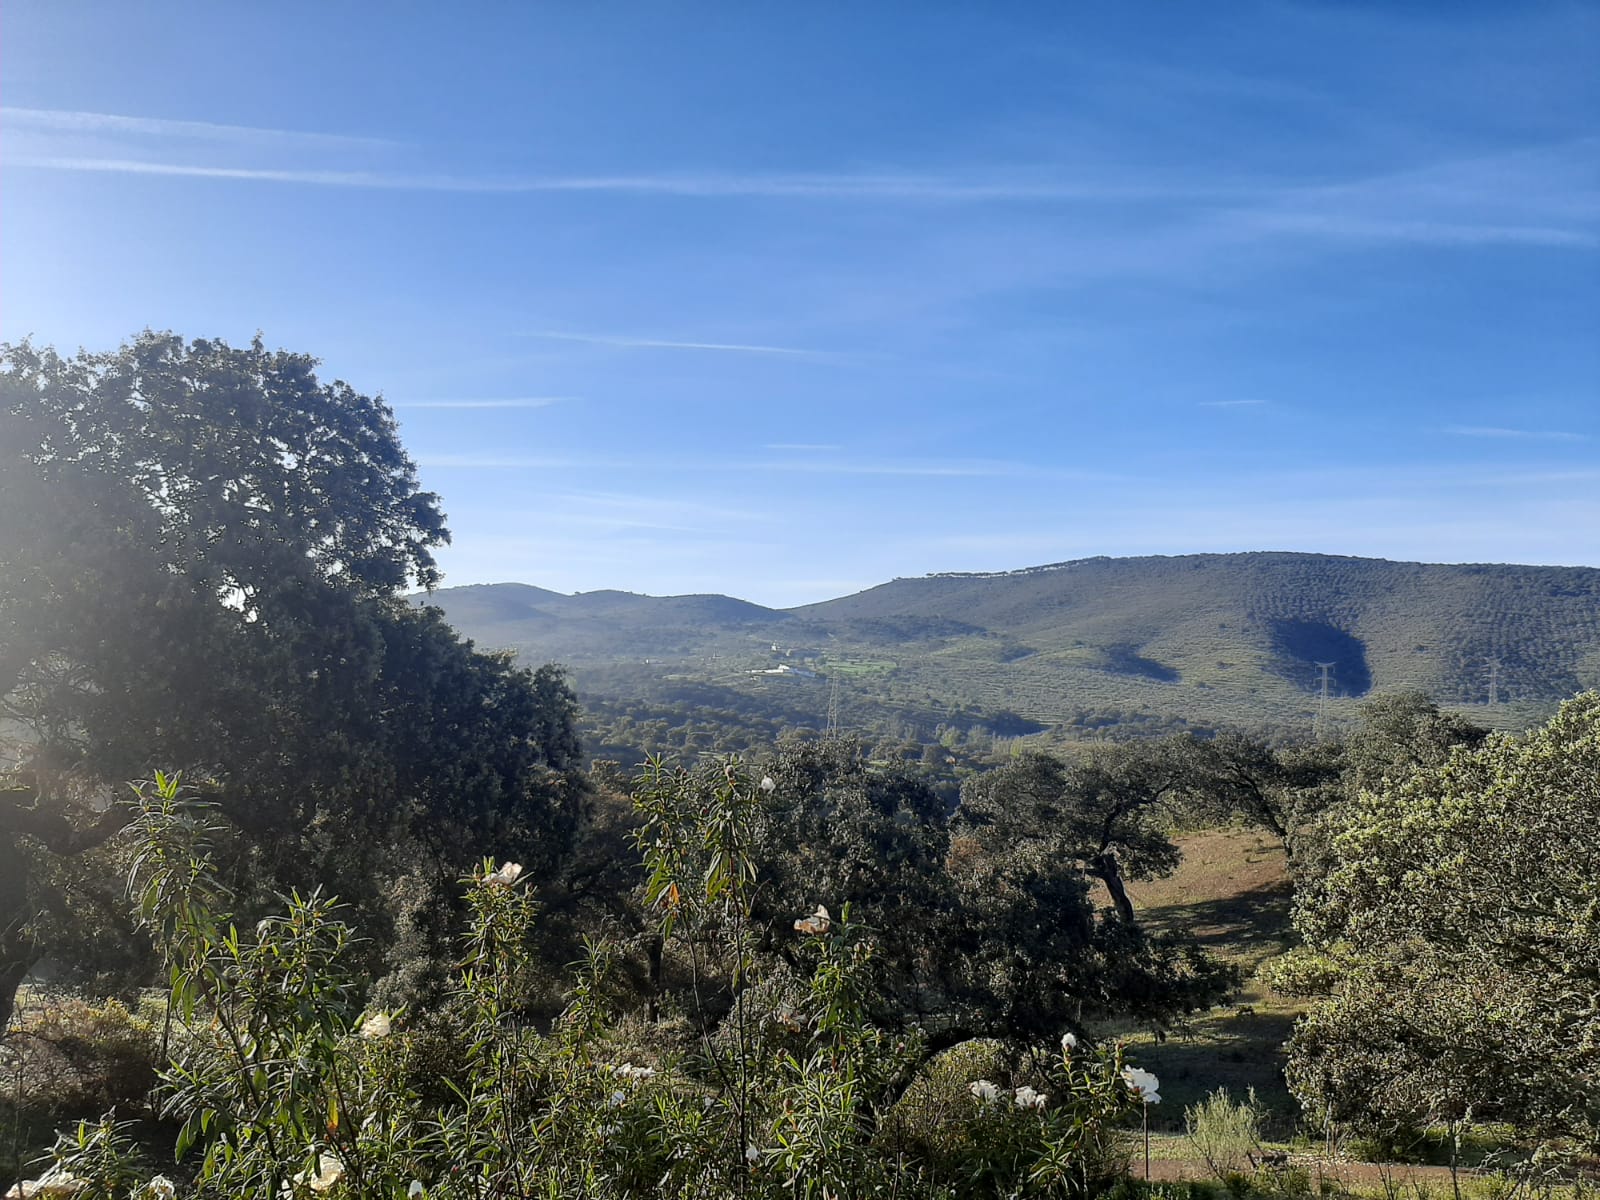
1232, 892
860, 666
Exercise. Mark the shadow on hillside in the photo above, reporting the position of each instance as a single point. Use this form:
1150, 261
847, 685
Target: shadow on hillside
1260, 915
1304, 646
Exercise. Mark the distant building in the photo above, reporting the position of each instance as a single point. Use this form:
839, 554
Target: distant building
786, 669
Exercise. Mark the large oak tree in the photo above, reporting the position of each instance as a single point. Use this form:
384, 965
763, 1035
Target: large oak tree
202, 550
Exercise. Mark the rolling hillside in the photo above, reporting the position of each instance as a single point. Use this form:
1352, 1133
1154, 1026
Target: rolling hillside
1072, 648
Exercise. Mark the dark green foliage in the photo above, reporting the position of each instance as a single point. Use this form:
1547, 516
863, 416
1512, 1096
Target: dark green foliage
983, 920
200, 553
1399, 733
1281, 790
837, 830
1029, 838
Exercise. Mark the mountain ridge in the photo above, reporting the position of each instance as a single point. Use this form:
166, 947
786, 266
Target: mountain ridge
1200, 639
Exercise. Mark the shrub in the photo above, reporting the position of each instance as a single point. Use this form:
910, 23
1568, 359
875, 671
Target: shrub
287, 1087
1225, 1132
68, 1055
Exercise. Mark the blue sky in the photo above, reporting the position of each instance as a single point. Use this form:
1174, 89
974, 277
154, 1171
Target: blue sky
786, 300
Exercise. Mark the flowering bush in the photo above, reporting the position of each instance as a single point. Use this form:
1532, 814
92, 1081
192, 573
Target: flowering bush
287, 1086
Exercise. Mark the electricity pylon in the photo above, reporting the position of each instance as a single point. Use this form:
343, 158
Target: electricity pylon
1323, 680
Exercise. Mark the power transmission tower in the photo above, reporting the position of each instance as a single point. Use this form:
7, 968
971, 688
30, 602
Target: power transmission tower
1324, 679
833, 701
1494, 680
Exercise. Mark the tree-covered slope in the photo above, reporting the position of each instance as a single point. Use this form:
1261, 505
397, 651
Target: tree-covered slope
1201, 639
1382, 624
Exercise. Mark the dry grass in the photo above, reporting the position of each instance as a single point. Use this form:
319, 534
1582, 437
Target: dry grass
1232, 893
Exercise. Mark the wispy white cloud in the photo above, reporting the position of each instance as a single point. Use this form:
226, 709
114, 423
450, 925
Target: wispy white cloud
512, 402
1542, 195
71, 123
681, 508
1357, 228
952, 469
1538, 197
1231, 403
890, 467
640, 343
1496, 431
356, 179
704, 185
516, 462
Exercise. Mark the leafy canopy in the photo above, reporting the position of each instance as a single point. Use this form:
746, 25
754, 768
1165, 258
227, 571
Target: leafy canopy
1462, 908
201, 549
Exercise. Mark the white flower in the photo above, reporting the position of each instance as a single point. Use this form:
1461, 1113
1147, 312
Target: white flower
329, 1171
629, 1071
1143, 1082
984, 1091
1026, 1097
1069, 1042
57, 1181
416, 1189
751, 1154
505, 876
161, 1188
768, 784
817, 923
618, 1099
377, 1025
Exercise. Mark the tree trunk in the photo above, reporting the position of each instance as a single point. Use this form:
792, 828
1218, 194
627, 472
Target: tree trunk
654, 950
22, 815
16, 957
1104, 868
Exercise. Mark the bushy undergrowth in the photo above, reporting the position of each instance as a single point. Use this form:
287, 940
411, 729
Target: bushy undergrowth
1226, 1132
286, 1084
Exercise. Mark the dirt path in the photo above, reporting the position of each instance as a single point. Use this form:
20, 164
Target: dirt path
1365, 1175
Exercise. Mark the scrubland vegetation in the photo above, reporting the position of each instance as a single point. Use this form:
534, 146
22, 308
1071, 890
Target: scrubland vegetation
371, 927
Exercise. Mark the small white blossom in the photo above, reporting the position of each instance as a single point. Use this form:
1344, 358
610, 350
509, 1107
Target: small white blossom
161, 1188
768, 784
378, 1025
1026, 1097
629, 1071
415, 1190
1069, 1042
984, 1091
329, 1171
752, 1155
618, 1099
57, 1181
505, 876
1143, 1082
816, 924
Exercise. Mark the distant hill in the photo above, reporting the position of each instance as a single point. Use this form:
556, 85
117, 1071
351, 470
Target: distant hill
1071, 648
